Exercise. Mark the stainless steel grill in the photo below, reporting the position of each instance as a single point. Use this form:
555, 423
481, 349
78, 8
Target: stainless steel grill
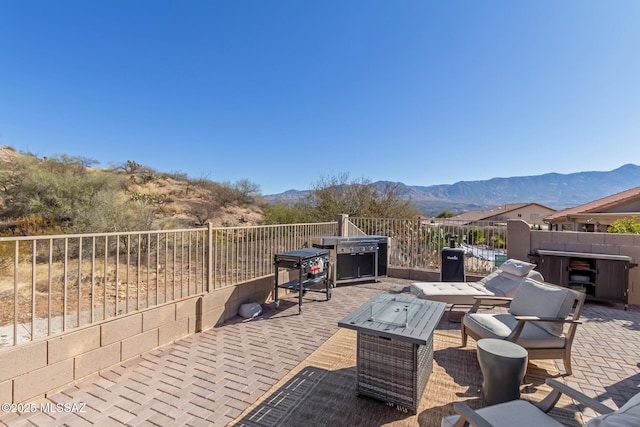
355, 258
354, 248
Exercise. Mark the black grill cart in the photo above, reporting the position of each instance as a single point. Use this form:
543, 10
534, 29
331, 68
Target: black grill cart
313, 272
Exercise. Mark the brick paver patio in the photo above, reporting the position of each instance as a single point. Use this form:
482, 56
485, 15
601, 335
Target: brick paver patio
208, 379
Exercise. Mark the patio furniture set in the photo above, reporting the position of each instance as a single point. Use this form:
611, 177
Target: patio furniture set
533, 328
395, 339
395, 345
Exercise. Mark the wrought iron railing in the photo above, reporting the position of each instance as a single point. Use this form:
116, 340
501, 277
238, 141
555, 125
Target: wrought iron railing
50, 284
417, 243
245, 253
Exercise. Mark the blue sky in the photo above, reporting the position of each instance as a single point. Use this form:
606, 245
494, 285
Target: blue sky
286, 93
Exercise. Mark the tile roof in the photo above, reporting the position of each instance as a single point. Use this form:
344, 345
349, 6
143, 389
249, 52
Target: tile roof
480, 215
599, 205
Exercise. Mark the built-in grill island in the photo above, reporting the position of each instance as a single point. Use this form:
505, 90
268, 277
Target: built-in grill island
355, 258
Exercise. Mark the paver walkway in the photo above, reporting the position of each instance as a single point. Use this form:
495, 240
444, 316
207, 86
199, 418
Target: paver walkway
606, 354
208, 379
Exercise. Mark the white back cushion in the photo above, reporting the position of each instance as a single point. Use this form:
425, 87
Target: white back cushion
539, 299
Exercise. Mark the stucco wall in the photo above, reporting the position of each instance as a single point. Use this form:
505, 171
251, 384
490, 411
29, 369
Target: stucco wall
532, 214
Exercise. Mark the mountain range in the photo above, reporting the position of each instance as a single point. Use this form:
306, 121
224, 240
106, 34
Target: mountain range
554, 190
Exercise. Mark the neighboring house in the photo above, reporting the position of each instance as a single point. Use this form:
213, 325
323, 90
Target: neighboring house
532, 213
597, 215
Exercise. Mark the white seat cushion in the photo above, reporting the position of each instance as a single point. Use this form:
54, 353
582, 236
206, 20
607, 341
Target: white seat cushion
498, 283
450, 292
627, 416
499, 326
515, 413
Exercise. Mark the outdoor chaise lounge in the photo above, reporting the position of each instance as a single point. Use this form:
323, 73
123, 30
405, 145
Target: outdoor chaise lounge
501, 283
523, 413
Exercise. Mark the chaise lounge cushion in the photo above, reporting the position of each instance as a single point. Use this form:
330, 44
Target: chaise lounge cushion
450, 292
499, 283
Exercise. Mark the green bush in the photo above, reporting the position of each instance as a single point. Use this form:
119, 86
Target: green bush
475, 236
285, 214
625, 226
67, 196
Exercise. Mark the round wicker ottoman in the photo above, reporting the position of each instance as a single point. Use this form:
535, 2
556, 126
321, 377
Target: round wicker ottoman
503, 366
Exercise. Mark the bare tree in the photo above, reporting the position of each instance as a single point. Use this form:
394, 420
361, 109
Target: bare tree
338, 194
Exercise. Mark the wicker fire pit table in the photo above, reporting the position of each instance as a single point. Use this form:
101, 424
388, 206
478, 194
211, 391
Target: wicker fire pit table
395, 347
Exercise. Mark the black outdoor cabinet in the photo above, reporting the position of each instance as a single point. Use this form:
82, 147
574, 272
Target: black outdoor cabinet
602, 277
352, 266
452, 266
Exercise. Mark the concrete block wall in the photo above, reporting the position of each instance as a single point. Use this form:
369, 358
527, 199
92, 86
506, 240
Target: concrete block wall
33, 370
413, 274
423, 275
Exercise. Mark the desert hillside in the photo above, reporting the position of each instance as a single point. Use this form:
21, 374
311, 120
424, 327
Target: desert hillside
177, 201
